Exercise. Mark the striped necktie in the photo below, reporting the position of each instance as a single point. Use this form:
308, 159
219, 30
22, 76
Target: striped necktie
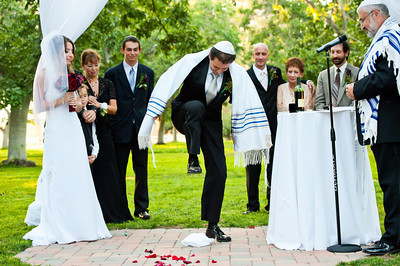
336, 86
132, 79
264, 80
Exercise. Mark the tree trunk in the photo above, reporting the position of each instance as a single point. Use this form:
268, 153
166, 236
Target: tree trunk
174, 131
5, 131
161, 131
17, 135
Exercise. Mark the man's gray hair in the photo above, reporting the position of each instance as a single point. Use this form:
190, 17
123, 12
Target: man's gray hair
381, 7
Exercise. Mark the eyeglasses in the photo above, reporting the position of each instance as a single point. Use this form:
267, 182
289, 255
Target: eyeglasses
361, 20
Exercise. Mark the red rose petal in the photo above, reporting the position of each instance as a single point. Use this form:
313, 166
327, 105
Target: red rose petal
151, 256
148, 251
192, 255
213, 261
197, 261
163, 258
252, 227
175, 258
187, 261
182, 258
134, 261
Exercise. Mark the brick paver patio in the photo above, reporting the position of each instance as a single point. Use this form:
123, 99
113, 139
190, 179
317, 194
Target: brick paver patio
128, 247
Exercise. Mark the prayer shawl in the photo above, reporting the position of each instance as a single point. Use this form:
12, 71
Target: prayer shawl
386, 43
250, 128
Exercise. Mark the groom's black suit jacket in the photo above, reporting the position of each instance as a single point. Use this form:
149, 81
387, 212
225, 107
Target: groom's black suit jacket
130, 105
268, 98
193, 89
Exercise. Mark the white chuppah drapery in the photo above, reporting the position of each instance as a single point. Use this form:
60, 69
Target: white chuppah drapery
59, 18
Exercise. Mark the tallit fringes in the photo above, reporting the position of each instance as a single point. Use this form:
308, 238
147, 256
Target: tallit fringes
144, 142
250, 157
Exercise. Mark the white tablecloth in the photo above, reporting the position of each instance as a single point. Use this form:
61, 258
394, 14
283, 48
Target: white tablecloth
302, 212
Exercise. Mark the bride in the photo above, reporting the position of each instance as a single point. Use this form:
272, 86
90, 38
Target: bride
66, 208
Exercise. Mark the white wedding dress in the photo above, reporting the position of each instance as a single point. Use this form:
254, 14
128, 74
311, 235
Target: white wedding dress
66, 208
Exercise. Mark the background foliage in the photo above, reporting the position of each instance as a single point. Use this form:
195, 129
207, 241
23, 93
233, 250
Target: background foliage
169, 29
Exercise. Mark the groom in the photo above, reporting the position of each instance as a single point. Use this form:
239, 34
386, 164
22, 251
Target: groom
196, 113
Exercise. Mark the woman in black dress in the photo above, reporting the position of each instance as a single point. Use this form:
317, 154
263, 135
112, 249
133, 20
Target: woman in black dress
113, 201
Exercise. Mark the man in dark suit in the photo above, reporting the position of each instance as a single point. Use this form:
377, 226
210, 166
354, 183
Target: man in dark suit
378, 76
196, 113
266, 79
133, 83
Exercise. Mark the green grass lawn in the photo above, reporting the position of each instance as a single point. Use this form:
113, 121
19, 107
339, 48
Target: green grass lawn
174, 198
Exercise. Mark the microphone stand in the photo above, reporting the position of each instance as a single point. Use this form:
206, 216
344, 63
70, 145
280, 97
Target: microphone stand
341, 248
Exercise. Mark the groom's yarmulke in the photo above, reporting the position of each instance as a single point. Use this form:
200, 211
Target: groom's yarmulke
225, 47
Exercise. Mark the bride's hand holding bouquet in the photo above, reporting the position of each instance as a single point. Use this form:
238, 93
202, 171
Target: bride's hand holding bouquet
74, 103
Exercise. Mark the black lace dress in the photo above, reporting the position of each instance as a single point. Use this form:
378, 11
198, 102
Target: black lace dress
113, 201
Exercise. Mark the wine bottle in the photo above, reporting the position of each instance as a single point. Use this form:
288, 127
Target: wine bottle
299, 96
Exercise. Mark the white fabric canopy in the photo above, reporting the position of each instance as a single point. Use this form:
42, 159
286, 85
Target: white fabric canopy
59, 18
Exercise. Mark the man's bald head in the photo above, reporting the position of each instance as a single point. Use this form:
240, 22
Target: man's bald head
260, 55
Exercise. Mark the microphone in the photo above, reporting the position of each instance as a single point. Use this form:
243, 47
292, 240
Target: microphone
328, 45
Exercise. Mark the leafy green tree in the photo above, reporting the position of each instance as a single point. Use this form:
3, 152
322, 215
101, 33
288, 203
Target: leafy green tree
20, 48
21, 35
299, 27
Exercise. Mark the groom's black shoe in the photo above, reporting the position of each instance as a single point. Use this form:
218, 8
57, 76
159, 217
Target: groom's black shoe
381, 248
143, 215
216, 232
194, 167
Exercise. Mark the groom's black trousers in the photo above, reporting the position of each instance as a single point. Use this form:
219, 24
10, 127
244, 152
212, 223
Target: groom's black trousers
201, 132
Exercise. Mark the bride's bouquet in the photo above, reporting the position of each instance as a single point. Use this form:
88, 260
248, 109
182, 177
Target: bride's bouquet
74, 82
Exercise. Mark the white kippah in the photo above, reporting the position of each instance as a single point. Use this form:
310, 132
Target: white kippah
225, 47
371, 2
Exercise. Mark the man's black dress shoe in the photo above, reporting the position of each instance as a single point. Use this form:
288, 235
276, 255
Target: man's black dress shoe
381, 248
194, 167
250, 211
143, 215
216, 232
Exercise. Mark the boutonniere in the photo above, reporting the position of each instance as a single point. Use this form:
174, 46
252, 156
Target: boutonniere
347, 78
272, 74
228, 86
142, 82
